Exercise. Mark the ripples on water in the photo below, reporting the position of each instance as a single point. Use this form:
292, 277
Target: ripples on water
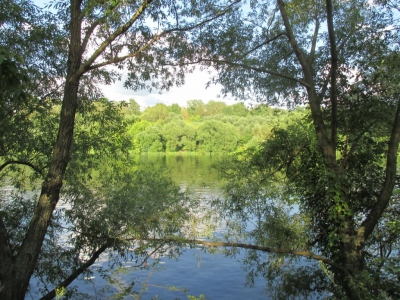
195, 272
214, 275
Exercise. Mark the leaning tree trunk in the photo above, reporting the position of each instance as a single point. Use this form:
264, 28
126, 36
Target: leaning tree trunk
19, 268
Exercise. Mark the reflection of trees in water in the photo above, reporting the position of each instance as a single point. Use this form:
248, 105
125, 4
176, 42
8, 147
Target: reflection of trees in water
193, 170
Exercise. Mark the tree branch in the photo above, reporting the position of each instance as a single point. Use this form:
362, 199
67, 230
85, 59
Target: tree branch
77, 272
89, 33
320, 128
95, 24
307, 254
376, 212
131, 55
178, 240
120, 30
262, 70
244, 66
340, 47
262, 44
21, 162
87, 66
334, 66
90, 262
301, 57
314, 40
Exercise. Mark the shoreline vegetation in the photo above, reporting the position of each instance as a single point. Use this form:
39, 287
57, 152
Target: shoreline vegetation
333, 151
202, 128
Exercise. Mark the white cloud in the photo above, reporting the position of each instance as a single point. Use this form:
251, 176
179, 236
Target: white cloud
194, 88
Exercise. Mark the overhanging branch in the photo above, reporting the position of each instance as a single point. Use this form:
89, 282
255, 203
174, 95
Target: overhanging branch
302, 253
89, 263
307, 254
87, 66
259, 70
77, 272
244, 66
182, 241
21, 162
120, 30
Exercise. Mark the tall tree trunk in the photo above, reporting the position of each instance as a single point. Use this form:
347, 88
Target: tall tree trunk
20, 268
351, 258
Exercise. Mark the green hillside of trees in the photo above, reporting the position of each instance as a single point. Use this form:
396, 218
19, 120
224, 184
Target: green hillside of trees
336, 161
212, 127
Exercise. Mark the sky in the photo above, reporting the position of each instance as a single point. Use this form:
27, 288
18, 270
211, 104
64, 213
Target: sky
194, 88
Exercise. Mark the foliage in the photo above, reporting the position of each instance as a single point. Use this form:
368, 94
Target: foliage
56, 130
179, 136
220, 128
101, 183
151, 140
340, 60
216, 136
155, 113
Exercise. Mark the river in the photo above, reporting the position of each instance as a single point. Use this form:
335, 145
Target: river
195, 272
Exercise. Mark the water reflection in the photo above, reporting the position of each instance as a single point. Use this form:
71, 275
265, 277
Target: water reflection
194, 272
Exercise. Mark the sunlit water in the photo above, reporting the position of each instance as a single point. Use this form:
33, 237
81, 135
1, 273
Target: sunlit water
193, 273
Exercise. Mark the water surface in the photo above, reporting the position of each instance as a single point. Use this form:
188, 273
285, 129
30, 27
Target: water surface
194, 272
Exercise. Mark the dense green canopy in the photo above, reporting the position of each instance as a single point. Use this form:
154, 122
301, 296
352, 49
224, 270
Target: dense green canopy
334, 158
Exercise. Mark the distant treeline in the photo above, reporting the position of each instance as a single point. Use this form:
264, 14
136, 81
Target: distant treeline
202, 127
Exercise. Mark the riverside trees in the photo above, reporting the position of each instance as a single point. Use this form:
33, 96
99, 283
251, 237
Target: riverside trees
63, 56
346, 74
341, 59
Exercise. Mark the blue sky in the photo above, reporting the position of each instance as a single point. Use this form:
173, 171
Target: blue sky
194, 88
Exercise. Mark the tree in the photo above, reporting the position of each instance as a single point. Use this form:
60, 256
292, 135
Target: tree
159, 112
174, 108
238, 109
151, 140
346, 73
179, 136
216, 136
196, 108
81, 38
214, 107
131, 109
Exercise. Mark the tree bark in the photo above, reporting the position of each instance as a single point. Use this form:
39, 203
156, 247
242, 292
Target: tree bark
333, 72
350, 255
20, 268
324, 141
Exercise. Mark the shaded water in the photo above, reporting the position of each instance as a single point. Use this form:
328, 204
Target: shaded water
214, 275
194, 272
